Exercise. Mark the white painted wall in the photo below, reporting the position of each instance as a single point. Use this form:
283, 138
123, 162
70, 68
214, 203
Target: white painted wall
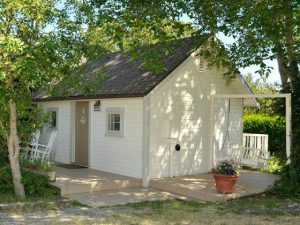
228, 127
180, 109
62, 144
121, 155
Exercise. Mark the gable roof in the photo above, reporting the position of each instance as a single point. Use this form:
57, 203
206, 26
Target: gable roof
126, 77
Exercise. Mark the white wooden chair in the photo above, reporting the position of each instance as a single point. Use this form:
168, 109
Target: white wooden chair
32, 145
42, 152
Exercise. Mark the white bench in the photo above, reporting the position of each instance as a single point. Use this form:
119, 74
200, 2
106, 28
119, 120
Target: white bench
255, 150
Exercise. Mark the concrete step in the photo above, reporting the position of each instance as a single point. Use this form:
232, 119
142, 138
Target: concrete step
89, 187
121, 196
86, 180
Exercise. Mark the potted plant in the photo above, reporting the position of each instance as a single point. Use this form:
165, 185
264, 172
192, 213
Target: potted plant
226, 174
39, 167
48, 167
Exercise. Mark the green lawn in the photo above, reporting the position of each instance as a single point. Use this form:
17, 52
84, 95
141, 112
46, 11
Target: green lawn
261, 209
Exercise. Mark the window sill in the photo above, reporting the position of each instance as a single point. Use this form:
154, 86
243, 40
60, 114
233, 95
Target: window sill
111, 134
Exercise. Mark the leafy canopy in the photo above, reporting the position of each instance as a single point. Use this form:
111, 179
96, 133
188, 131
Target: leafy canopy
40, 44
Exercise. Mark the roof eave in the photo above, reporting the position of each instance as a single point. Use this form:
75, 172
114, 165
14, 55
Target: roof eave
88, 97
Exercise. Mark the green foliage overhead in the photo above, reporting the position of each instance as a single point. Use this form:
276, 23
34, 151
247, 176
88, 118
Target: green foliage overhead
32, 56
261, 29
260, 85
269, 106
274, 126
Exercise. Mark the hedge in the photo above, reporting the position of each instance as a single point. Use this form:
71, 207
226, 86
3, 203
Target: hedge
274, 126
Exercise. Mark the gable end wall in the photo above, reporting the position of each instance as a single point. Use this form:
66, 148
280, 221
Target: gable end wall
180, 114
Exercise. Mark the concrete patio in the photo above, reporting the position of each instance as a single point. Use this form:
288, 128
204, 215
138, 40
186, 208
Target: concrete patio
98, 188
85, 180
202, 186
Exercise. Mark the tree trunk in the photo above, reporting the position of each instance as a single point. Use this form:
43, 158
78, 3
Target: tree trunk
13, 144
286, 55
283, 71
289, 40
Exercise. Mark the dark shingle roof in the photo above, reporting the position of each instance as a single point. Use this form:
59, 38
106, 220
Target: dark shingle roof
126, 77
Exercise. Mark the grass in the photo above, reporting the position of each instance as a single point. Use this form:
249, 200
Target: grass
35, 204
260, 209
10, 198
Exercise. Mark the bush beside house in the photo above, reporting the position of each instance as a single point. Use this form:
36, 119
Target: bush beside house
35, 185
274, 126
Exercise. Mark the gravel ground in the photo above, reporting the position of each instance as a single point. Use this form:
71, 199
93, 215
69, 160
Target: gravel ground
164, 212
76, 215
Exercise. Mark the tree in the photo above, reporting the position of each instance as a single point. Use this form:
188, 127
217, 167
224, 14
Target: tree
39, 44
43, 42
262, 30
269, 107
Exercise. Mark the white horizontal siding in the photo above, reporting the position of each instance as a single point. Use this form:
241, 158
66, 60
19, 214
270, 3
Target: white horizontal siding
62, 146
180, 109
226, 141
121, 155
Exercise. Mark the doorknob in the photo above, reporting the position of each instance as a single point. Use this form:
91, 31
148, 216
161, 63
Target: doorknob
177, 147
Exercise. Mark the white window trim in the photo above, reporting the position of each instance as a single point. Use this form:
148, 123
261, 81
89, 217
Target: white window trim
115, 110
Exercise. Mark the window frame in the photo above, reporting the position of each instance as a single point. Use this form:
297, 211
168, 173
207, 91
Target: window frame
110, 111
51, 110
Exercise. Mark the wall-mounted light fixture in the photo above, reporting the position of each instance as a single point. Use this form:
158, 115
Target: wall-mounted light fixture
97, 105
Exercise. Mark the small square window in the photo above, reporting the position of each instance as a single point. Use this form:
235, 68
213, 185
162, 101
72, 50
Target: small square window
53, 122
115, 120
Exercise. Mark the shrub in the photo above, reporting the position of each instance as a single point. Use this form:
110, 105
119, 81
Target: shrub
288, 185
274, 126
34, 184
3, 151
37, 164
37, 185
3, 159
275, 164
6, 184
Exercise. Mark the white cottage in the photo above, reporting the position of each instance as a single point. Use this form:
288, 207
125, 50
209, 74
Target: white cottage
146, 125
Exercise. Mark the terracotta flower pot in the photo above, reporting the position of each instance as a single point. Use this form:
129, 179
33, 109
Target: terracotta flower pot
225, 183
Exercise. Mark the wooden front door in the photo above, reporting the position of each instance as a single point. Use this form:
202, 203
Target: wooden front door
82, 133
